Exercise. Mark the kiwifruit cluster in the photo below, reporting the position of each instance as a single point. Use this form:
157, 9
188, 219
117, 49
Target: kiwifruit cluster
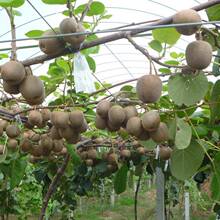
15, 81
70, 25
149, 88
187, 16
198, 54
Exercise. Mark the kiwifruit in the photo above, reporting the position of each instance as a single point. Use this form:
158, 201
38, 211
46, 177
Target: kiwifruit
83, 128
149, 88
46, 113
187, 16
198, 54
3, 124
67, 26
54, 133
99, 140
12, 143
12, 131
11, 89
150, 120
144, 136
103, 107
141, 150
161, 134
58, 145
112, 158
60, 119
100, 122
69, 134
134, 126
74, 139
125, 153
51, 46
116, 115
112, 127
89, 162
1, 149
36, 150
76, 118
13, 72
46, 142
1, 131
104, 155
26, 145
35, 118
35, 137
165, 153
84, 155
32, 89
130, 111
92, 154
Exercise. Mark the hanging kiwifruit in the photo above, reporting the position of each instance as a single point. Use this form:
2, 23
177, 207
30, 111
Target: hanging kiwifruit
46, 113
83, 128
150, 120
54, 133
60, 119
198, 54
149, 88
58, 145
144, 136
76, 41
35, 137
89, 162
92, 154
12, 143
112, 127
76, 119
125, 153
36, 150
83, 155
3, 124
51, 46
32, 89
46, 142
13, 72
102, 108
112, 158
35, 118
130, 111
161, 134
100, 122
187, 16
141, 150
26, 145
134, 126
165, 153
116, 115
12, 131
11, 89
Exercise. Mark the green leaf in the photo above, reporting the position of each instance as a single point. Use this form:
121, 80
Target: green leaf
216, 64
16, 13
187, 90
3, 56
96, 8
165, 70
75, 158
3, 156
215, 100
166, 35
149, 144
172, 129
183, 134
185, 162
34, 33
215, 183
213, 13
52, 2
17, 171
120, 180
91, 62
156, 45
11, 3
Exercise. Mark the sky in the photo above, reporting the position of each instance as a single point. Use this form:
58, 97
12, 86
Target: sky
117, 61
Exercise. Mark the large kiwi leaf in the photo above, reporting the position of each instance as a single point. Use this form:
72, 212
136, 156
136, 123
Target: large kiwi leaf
11, 3
215, 181
187, 90
213, 13
183, 134
120, 180
185, 162
52, 2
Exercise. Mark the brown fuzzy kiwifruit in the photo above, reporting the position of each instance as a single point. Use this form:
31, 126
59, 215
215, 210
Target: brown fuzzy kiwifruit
60, 119
32, 89
150, 120
12, 144
92, 154
46, 113
165, 153
69, 134
52, 46
102, 108
100, 122
141, 150
149, 88
125, 153
35, 118
161, 134
13, 72
11, 89
1, 149
36, 150
144, 136
58, 145
76, 119
112, 127
12, 131
112, 158
26, 145
35, 137
198, 54
130, 111
46, 142
54, 133
89, 162
83, 128
3, 124
134, 126
74, 139
116, 115
83, 155
187, 16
